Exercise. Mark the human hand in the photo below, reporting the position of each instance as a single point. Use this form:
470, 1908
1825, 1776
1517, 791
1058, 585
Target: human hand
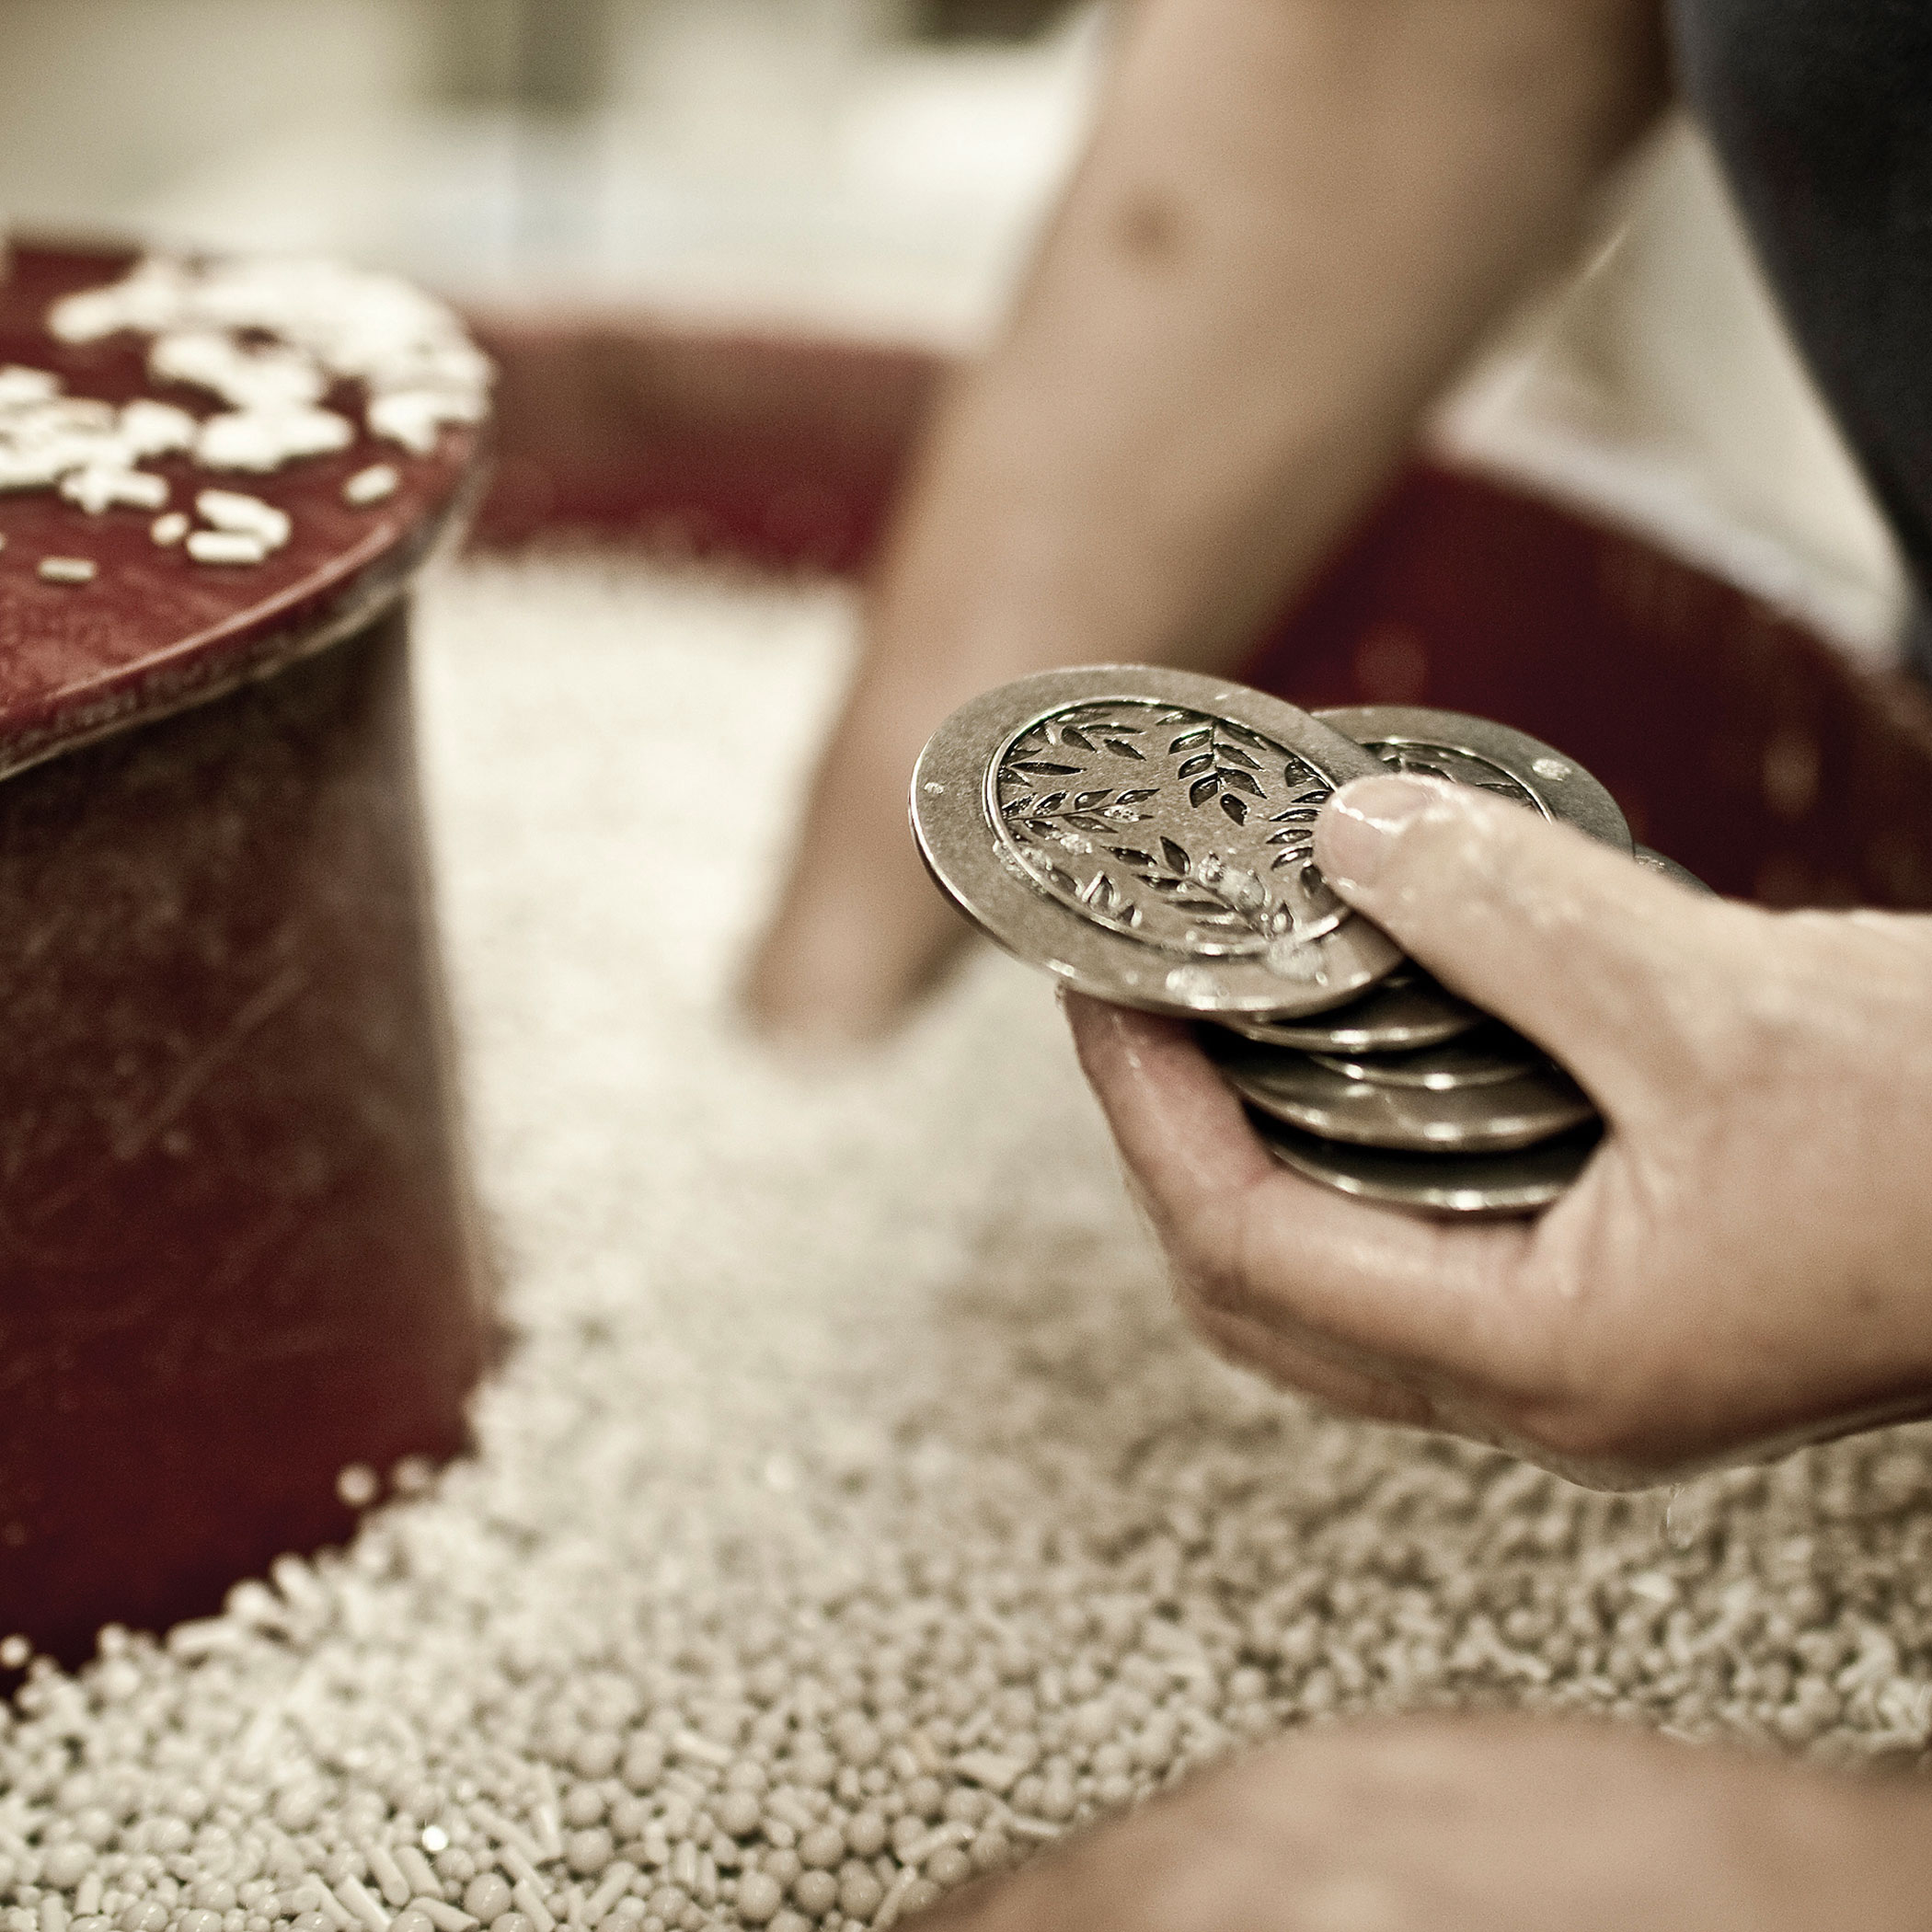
1745, 1263
1484, 1825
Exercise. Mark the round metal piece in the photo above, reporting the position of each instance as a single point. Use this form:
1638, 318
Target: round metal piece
1494, 757
1534, 1105
1407, 1009
1147, 836
1656, 862
1477, 1187
1476, 1059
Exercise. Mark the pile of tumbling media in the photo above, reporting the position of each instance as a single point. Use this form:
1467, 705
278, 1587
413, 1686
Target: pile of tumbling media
853, 1515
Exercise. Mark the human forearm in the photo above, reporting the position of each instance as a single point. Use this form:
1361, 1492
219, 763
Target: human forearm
1295, 221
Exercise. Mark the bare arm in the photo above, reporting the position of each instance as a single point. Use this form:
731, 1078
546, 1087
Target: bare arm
1296, 218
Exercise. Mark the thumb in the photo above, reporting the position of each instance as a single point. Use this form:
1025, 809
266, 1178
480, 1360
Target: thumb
1569, 941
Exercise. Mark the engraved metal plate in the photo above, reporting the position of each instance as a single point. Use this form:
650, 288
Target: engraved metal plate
1146, 835
1463, 1185
1410, 1008
1483, 1058
1496, 758
1656, 862
1533, 1104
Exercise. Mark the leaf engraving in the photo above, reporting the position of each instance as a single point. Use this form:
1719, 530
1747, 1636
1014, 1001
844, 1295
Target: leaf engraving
1152, 858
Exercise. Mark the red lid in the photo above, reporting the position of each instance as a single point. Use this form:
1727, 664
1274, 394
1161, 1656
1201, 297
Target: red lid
264, 359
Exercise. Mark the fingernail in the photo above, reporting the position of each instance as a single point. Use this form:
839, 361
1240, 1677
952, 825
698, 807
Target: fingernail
1356, 832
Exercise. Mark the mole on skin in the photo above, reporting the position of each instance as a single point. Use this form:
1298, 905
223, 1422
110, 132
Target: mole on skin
1151, 229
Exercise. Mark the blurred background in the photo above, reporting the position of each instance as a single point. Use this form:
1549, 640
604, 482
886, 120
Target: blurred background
873, 169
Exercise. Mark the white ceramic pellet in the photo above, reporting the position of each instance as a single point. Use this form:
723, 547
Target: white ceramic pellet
416, 1870
327, 1905
236, 511
373, 485
356, 1900
101, 486
227, 546
388, 1873
442, 1916
530, 1903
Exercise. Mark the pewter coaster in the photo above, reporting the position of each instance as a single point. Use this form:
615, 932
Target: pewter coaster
1491, 1054
1474, 1187
1147, 835
1534, 1105
1409, 1009
1493, 757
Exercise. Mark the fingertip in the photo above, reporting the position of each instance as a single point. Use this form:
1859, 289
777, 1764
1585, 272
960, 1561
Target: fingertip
1359, 828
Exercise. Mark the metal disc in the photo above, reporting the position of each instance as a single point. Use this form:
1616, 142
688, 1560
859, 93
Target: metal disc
1477, 751
1407, 1009
1482, 1058
1147, 835
1534, 1105
1471, 1186
1656, 862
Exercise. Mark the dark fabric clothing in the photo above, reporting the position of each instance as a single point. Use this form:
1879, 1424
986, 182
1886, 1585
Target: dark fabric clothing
1822, 111
1918, 640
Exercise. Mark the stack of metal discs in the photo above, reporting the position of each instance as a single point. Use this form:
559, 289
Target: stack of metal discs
1147, 836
